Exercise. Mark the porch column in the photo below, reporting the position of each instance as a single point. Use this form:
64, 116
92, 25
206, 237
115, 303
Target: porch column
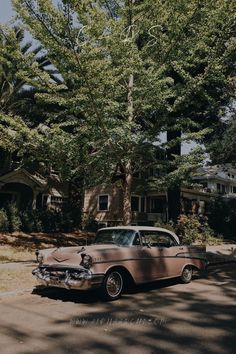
34, 202
48, 201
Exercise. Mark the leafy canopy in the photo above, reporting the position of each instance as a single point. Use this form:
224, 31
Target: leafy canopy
180, 54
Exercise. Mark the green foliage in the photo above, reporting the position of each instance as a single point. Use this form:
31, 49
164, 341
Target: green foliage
50, 220
223, 147
194, 228
222, 217
89, 223
177, 52
23, 72
47, 221
16, 135
38, 220
4, 225
169, 226
132, 70
20, 66
31, 221
13, 217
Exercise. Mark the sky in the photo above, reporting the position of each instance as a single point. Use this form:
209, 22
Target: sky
6, 11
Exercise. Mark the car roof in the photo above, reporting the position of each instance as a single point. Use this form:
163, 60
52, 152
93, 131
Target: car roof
141, 228
136, 228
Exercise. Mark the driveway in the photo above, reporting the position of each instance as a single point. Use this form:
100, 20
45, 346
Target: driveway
165, 317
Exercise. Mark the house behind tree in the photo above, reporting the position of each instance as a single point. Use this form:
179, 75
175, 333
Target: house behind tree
104, 202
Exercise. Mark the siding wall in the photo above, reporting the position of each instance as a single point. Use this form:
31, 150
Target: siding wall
115, 203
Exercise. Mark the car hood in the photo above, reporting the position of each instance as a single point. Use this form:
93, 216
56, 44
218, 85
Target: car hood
72, 255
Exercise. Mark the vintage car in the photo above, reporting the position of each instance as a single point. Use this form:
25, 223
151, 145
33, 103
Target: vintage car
119, 255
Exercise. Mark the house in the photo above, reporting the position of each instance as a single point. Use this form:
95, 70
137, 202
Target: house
32, 190
104, 203
218, 179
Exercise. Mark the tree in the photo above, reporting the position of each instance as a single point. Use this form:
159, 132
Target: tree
102, 59
133, 69
222, 148
222, 217
200, 59
23, 71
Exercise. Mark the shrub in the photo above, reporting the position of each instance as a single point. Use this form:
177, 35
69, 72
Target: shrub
4, 224
222, 217
49, 219
31, 221
13, 217
192, 228
89, 223
195, 228
169, 226
37, 220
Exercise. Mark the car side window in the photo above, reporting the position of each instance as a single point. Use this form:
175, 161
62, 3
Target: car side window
165, 240
149, 238
157, 239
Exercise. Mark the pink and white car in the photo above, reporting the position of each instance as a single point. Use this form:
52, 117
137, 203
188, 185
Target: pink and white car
120, 255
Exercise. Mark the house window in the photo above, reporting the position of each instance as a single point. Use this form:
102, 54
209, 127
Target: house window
135, 203
57, 200
156, 205
234, 189
218, 188
142, 204
103, 202
138, 203
45, 200
154, 172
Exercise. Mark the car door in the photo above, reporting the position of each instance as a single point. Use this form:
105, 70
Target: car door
158, 254
152, 256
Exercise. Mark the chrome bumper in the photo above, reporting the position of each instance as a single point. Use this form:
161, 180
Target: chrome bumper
68, 279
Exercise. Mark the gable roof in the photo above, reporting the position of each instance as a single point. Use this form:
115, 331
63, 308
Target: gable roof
23, 176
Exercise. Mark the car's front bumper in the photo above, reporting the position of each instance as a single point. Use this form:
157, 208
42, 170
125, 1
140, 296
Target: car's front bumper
81, 279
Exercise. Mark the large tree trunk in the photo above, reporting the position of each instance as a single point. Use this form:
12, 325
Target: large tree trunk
127, 180
173, 193
127, 184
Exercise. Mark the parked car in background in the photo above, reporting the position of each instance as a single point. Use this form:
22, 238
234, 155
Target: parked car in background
120, 255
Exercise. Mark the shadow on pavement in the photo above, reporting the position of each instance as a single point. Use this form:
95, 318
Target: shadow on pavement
89, 297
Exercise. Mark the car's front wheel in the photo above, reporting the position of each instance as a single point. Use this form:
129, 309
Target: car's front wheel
112, 285
187, 274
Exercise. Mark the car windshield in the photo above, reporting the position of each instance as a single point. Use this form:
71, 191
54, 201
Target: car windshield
118, 236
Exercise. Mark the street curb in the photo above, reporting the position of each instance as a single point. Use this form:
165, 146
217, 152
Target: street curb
16, 292
222, 262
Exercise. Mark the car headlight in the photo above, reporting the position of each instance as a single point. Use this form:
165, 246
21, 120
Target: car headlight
86, 261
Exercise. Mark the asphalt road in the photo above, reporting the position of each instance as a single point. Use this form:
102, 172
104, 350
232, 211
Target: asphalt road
166, 317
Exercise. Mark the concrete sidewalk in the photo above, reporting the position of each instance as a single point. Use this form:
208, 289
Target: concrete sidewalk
225, 253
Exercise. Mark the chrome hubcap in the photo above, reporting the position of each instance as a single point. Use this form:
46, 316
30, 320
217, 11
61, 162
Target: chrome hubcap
114, 284
187, 273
